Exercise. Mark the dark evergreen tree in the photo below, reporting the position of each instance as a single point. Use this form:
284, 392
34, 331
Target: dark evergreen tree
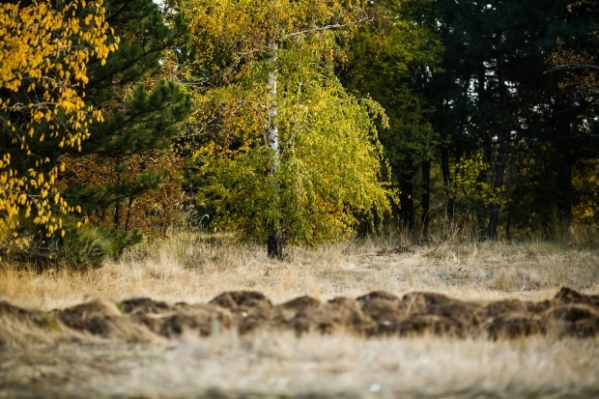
494, 96
389, 59
128, 155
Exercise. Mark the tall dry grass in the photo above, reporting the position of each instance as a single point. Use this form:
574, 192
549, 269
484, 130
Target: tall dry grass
188, 267
281, 365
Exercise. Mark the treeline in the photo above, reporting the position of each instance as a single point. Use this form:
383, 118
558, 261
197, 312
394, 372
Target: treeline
292, 122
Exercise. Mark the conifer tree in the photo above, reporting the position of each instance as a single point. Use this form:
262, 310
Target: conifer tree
125, 177
389, 59
495, 96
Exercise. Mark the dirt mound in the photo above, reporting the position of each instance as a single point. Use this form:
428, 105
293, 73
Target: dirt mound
428, 324
314, 320
234, 299
538, 307
515, 325
143, 305
383, 311
22, 328
103, 318
337, 315
574, 320
377, 295
422, 300
250, 310
34, 317
569, 296
378, 313
350, 312
198, 319
503, 307
301, 303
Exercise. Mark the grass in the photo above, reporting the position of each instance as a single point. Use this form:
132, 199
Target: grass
281, 364
187, 268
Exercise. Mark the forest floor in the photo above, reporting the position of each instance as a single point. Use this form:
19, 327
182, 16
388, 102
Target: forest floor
188, 317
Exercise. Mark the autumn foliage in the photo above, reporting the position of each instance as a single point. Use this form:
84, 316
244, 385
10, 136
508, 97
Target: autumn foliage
44, 53
288, 150
292, 122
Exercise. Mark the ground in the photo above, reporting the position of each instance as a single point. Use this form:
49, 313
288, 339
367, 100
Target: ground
192, 318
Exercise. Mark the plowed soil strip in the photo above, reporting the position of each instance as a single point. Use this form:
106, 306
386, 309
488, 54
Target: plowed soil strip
240, 346
568, 314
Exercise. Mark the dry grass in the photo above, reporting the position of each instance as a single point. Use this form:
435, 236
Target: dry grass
281, 364
189, 269
270, 364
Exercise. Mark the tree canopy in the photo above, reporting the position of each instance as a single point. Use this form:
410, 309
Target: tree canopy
290, 154
293, 122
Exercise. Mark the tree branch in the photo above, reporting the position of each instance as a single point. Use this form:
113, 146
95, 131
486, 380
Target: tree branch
326, 27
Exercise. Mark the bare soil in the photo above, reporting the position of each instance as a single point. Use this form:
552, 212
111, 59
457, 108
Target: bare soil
569, 314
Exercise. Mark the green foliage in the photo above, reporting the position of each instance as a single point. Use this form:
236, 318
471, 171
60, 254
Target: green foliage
389, 59
88, 246
271, 71
328, 172
125, 178
81, 248
291, 121
469, 186
494, 95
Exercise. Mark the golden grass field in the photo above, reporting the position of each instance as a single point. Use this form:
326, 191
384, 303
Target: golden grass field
59, 363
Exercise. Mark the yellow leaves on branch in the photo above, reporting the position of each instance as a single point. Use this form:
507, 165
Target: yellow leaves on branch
244, 31
44, 52
468, 185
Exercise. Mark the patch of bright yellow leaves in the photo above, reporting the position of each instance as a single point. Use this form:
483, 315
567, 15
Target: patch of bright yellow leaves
44, 54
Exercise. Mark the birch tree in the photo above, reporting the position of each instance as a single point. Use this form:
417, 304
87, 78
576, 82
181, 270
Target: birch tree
286, 155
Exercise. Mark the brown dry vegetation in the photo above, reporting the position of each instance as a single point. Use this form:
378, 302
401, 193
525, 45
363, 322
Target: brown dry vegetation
156, 325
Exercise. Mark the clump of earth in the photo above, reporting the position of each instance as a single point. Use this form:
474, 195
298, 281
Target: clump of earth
569, 314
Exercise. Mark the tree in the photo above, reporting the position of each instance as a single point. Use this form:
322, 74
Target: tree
576, 58
288, 154
581, 64
45, 48
389, 59
126, 176
493, 95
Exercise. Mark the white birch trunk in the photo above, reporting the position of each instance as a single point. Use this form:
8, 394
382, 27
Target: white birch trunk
273, 128
275, 243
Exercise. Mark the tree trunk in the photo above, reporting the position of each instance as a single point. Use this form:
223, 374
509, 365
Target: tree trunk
128, 218
483, 108
566, 195
117, 212
406, 201
503, 138
426, 198
275, 244
563, 132
447, 179
273, 111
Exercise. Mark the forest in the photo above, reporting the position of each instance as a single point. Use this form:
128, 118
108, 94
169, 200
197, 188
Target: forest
293, 122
